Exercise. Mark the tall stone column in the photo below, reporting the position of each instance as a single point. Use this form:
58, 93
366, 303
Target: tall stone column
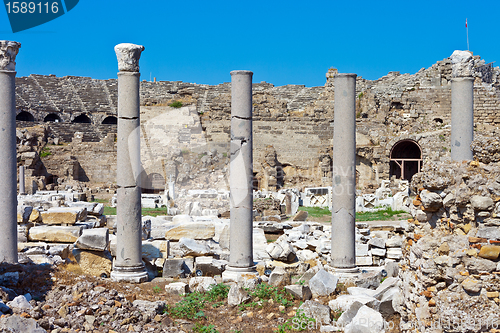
241, 178
22, 183
128, 264
462, 118
344, 174
8, 161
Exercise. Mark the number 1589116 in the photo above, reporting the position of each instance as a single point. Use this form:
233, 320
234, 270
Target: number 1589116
16, 7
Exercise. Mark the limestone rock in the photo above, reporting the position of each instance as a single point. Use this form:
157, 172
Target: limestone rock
279, 277
201, 283
377, 242
149, 307
64, 215
344, 302
17, 324
488, 233
177, 288
472, 285
237, 295
176, 267
323, 283
95, 263
301, 215
462, 64
316, 310
55, 234
395, 241
193, 230
20, 302
210, 266
479, 202
299, 292
93, 239
349, 314
489, 252
431, 201
281, 250
366, 320
190, 247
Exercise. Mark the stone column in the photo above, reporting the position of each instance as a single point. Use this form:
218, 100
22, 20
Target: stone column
128, 264
8, 161
22, 184
344, 174
241, 177
462, 118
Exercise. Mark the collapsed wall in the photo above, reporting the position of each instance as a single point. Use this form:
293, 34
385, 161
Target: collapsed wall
451, 270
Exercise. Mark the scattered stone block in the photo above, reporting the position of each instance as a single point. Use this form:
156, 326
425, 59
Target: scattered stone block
344, 302
55, 234
348, 315
394, 253
366, 320
323, 283
431, 201
299, 291
64, 215
93, 239
369, 280
176, 267
177, 288
201, 283
364, 261
321, 313
190, 247
95, 263
237, 295
210, 266
377, 242
279, 277
281, 250
20, 302
193, 230
19, 324
378, 252
301, 215
361, 250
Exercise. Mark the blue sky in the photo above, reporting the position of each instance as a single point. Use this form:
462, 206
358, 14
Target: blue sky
282, 42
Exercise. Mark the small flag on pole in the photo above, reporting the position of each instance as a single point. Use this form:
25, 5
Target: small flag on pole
466, 23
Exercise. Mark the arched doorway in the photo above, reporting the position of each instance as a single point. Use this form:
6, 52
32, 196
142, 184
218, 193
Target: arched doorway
25, 116
110, 120
405, 159
82, 119
52, 117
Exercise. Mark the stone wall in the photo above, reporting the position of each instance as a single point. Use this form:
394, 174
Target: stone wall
450, 272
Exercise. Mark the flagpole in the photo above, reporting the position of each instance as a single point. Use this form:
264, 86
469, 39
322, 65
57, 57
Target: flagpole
467, 28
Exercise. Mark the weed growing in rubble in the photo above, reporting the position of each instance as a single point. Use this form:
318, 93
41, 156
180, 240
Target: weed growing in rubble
264, 291
299, 322
45, 152
191, 306
156, 289
316, 211
176, 104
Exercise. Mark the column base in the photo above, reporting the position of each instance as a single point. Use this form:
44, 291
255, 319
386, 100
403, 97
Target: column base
346, 270
237, 274
129, 274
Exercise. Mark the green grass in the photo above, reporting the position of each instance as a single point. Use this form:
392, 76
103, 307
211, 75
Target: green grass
101, 201
380, 215
176, 104
316, 211
145, 211
45, 152
109, 210
191, 306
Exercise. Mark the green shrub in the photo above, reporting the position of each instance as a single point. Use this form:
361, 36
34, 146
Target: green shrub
45, 152
176, 104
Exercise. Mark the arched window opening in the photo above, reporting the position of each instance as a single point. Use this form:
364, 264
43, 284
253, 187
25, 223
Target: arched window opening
25, 116
82, 119
110, 120
52, 118
405, 159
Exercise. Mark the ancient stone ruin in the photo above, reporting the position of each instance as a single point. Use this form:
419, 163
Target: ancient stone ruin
231, 168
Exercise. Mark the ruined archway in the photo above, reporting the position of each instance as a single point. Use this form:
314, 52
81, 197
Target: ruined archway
25, 116
405, 159
52, 117
82, 119
110, 120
